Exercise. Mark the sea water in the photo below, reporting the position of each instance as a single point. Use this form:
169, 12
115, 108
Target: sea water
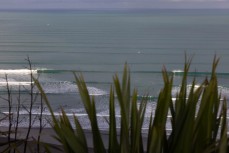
98, 44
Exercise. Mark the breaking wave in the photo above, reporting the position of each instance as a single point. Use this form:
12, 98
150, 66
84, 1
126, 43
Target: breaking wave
17, 71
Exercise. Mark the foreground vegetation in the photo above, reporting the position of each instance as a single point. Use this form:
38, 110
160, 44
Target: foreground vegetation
193, 130
198, 118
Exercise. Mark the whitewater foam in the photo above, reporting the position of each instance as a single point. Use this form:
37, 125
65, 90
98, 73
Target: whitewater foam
177, 71
15, 83
17, 71
58, 87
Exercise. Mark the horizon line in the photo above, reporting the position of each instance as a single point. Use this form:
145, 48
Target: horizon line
106, 9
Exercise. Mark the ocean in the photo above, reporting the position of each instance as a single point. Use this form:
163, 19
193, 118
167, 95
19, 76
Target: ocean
98, 44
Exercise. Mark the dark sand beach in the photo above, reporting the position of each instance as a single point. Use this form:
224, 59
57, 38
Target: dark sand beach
47, 137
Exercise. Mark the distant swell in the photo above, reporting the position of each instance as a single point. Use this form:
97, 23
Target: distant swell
174, 72
54, 71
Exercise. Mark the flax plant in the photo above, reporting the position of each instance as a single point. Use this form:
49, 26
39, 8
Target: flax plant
199, 129
198, 118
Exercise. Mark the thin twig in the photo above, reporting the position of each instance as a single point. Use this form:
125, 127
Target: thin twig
31, 104
9, 110
18, 114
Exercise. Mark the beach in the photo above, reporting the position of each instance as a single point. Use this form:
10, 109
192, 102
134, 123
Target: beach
47, 136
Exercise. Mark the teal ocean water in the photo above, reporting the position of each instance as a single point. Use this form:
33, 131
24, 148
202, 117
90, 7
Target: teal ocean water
98, 43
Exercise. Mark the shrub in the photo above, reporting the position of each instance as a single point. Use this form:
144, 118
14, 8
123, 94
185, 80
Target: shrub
198, 118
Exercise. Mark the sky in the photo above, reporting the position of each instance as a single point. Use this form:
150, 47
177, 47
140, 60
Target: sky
111, 4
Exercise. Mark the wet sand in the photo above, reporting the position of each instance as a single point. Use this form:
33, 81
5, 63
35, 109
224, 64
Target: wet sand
47, 137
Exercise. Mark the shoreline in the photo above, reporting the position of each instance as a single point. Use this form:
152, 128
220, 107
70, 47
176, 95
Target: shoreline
47, 137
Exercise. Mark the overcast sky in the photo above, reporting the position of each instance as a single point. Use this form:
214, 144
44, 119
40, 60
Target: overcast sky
111, 4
